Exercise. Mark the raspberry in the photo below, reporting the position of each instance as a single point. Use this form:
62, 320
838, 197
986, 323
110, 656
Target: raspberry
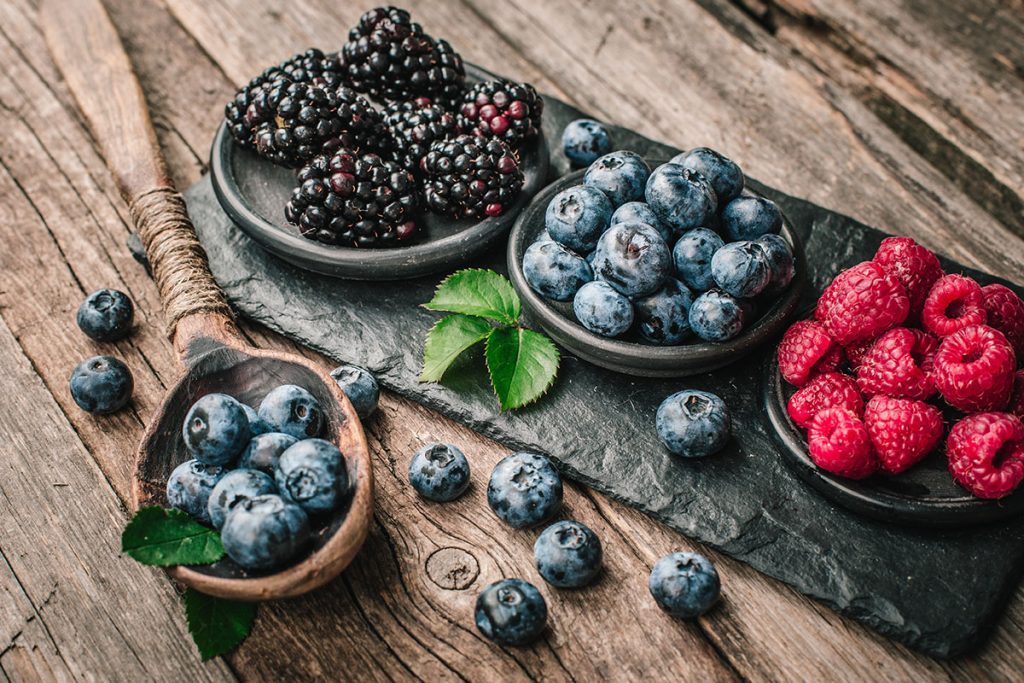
899, 364
861, 303
986, 454
953, 303
805, 351
916, 267
1016, 406
839, 443
974, 369
828, 390
1005, 312
855, 352
902, 431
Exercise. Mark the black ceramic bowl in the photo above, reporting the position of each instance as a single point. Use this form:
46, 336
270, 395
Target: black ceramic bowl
629, 355
253, 192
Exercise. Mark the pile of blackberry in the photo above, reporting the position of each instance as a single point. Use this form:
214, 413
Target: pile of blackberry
471, 177
501, 109
416, 125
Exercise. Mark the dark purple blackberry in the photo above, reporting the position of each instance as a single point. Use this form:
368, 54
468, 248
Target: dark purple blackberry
390, 57
471, 177
354, 200
501, 109
415, 125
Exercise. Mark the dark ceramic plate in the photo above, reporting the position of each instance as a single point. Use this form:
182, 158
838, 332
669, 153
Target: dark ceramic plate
253, 192
628, 354
925, 495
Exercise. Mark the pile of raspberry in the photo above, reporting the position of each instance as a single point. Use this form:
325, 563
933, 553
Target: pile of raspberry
892, 340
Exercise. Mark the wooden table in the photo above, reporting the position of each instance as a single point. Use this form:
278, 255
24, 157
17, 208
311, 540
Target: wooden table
905, 114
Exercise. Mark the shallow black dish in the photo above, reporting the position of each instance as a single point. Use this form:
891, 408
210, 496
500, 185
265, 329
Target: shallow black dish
628, 355
253, 192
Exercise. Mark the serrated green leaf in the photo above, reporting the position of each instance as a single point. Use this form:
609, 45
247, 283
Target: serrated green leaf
478, 292
522, 364
447, 339
217, 626
163, 537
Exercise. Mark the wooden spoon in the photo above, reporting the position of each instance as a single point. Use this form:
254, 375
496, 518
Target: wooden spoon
88, 51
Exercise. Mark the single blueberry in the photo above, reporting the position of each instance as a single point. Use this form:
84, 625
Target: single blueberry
641, 212
233, 488
312, 475
685, 585
511, 612
681, 198
264, 451
101, 385
632, 258
693, 424
190, 485
577, 216
555, 272
780, 260
620, 175
722, 172
543, 236
525, 489
106, 315
439, 472
664, 317
602, 310
361, 388
716, 316
292, 410
741, 269
584, 140
216, 429
257, 425
692, 257
747, 218
264, 532
568, 554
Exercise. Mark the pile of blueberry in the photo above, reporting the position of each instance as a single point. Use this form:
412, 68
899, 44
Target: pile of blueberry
103, 384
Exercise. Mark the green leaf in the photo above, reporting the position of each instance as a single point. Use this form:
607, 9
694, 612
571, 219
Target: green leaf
217, 626
447, 339
162, 537
523, 365
477, 292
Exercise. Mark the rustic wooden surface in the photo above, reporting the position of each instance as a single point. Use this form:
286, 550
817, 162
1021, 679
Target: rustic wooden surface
905, 114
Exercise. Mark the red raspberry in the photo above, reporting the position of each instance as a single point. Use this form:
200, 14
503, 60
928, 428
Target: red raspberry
855, 352
839, 443
1005, 312
1016, 406
806, 350
861, 303
899, 364
974, 369
986, 454
828, 390
953, 303
916, 267
902, 431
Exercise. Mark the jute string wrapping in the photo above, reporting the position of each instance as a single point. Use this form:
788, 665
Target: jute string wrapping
179, 263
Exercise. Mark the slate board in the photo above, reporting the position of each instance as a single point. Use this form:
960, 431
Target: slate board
939, 592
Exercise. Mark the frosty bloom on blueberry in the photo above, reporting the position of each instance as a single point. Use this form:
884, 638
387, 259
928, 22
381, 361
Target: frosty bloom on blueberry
525, 489
747, 218
106, 315
664, 317
723, 173
101, 385
692, 257
233, 488
265, 532
439, 472
511, 612
577, 217
693, 424
584, 140
602, 310
216, 429
361, 388
554, 271
632, 258
312, 475
641, 212
264, 450
685, 585
681, 198
292, 410
568, 554
620, 175
190, 485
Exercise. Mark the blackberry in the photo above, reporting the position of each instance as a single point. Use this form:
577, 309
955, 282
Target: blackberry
354, 200
501, 109
470, 176
390, 57
415, 125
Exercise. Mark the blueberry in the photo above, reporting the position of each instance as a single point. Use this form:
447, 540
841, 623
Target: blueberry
312, 475
264, 532
216, 429
577, 216
292, 410
439, 472
633, 259
602, 310
525, 489
716, 316
693, 424
555, 272
741, 269
747, 218
641, 212
106, 315
233, 488
664, 317
101, 385
568, 554
190, 485
584, 140
257, 425
685, 585
722, 172
692, 257
264, 451
511, 612
780, 260
543, 236
681, 198
361, 388
620, 175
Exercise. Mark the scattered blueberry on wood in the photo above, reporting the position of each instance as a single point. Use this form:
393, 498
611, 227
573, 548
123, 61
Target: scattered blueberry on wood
106, 315
568, 554
101, 385
525, 490
511, 612
439, 472
686, 585
361, 388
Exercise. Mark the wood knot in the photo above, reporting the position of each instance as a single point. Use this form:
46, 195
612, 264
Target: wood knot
452, 569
